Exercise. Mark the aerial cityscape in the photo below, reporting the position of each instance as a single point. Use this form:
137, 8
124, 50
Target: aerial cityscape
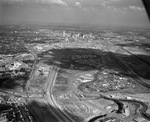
73, 72
65, 75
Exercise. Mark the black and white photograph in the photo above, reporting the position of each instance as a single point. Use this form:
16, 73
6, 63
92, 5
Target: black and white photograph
74, 60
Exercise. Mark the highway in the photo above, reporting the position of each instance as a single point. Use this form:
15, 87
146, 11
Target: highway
33, 69
54, 107
62, 116
144, 82
123, 64
130, 71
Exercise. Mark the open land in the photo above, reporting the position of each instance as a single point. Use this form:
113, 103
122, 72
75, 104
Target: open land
72, 74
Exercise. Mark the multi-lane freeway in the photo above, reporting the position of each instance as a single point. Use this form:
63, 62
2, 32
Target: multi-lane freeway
54, 107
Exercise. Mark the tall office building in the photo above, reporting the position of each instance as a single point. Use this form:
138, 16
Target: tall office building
64, 33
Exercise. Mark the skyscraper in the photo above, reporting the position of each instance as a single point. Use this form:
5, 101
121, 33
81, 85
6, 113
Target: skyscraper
64, 33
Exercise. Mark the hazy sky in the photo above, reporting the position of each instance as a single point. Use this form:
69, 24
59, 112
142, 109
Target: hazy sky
93, 12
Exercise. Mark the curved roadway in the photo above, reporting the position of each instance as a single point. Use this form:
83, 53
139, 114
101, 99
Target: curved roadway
54, 107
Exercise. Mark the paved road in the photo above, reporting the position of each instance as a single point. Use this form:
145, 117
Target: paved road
54, 107
142, 81
123, 64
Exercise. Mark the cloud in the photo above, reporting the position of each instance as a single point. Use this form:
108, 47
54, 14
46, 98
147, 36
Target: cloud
114, 9
105, 2
16, 0
77, 4
5, 1
136, 8
52, 2
57, 2
115, 0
